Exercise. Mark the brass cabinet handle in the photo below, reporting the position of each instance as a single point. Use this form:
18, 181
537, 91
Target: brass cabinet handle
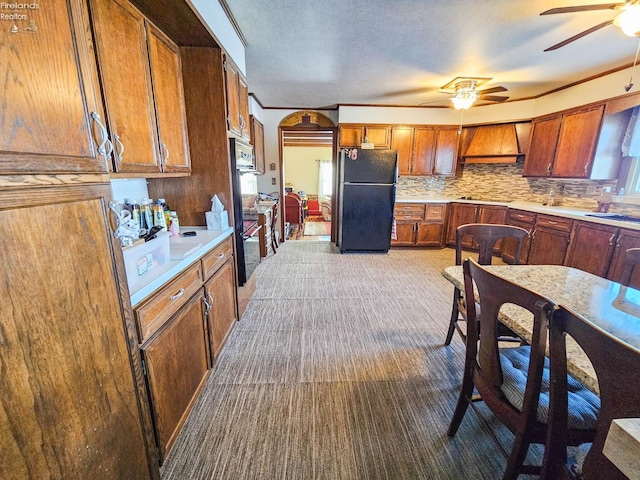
177, 295
586, 167
119, 151
105, 147
243, 123
549, 168
207, 307
210, 298
220, 257
611, 239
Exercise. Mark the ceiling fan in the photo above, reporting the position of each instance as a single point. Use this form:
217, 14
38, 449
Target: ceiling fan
628, 20
464, 92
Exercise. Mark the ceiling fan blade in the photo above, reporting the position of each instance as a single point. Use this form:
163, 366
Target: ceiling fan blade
579, 35
493, 98
583, 8
492, 90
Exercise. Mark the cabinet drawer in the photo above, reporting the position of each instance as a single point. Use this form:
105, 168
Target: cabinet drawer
155, 312
555, 223
522, 216
435, 213
213, 260
409, 211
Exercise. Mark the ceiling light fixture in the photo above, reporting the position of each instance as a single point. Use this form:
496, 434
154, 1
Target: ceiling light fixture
629, 20
465, 96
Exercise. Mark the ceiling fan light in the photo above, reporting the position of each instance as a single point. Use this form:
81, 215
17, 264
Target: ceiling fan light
629, 20
463, 101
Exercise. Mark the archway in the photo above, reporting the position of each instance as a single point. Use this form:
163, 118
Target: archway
307, 128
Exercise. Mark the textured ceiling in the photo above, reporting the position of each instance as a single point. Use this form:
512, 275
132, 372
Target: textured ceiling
313, 54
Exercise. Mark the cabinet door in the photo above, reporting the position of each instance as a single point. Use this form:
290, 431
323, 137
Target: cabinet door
350, 136
380, 136
542, 147
166, 73
243, 108
123, 61
402, 141
429, 234
233, 97
405, 234
592, 247
446, 153
577, 143
69, 353
626, 239
222, 301
177, 362
47, 93
548, 247
423, 151
460, 214
257, 140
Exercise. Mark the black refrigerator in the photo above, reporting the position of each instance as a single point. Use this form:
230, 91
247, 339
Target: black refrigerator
367, 196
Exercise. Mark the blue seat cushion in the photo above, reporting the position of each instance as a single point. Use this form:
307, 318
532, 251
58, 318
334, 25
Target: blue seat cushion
584, 405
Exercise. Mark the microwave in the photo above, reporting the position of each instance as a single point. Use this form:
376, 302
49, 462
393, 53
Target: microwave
243, 155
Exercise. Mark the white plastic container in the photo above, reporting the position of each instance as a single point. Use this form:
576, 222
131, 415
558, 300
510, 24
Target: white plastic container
143, 257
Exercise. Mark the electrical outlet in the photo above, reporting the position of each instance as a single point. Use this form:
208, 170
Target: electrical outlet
273, 180
591, 189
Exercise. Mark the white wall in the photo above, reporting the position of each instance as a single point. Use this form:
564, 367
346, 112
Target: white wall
221, 28
301, 167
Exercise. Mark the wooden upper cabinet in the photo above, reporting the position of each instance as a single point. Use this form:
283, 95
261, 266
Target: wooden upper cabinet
237, 100
564, 145
123, 61
446, 154
542, 147
423, 150
166, 71
577, 143
48, 94
402, 141
257, 140
354, 135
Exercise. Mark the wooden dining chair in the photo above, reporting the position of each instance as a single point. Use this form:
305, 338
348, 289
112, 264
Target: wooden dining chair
486, 236
617, 367
513, 382
631, 260
274, 224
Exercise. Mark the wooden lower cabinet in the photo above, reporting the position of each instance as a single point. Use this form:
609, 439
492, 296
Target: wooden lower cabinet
419, 225
522, 219
550, 240
74, 403
460, 214
591, 247
626, 239
221, 300
177, 364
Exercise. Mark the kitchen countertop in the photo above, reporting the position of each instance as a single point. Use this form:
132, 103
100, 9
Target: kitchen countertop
184, 251
561, 210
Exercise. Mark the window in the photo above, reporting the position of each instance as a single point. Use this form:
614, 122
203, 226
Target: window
325, 177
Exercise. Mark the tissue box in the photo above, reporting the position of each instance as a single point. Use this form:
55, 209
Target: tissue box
217, 220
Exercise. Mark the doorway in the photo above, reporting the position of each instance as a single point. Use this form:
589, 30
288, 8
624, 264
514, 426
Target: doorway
308, 160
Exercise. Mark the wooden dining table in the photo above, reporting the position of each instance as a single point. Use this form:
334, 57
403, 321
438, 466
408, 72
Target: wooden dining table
608, 305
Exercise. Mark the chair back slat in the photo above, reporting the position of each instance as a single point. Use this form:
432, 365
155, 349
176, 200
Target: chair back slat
486, 236
631, 260
617, 367
492, 293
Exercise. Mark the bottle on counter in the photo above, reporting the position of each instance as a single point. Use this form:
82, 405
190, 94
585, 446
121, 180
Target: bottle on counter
167, 212
174, 226
159, 218
146, 213
134, 207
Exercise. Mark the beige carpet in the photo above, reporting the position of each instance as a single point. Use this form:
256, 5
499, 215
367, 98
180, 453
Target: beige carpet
337, 370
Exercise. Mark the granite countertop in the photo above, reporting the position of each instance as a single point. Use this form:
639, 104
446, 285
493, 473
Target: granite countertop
608, 305
183, 252
560, 211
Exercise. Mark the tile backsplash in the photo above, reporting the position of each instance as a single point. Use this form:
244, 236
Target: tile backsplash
506, 183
